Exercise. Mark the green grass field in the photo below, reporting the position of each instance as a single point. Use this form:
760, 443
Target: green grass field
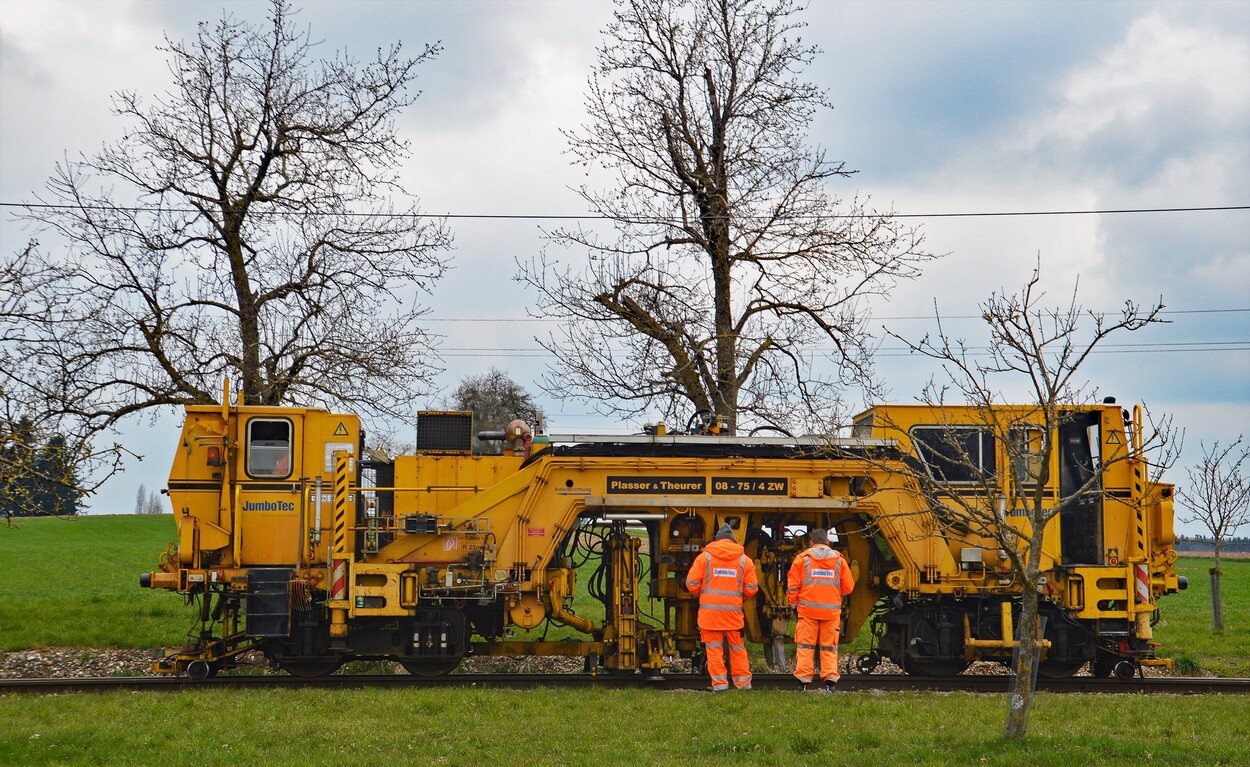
1184, 629
613, 727
74, 583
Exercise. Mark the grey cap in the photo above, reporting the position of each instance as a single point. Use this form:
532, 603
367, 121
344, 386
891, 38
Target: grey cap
725, 533
819, 536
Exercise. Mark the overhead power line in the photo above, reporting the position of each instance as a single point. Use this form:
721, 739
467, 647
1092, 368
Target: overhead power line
945, 317
1091, 212
648, 219
1180, 347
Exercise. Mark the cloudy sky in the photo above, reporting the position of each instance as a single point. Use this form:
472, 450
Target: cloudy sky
942, 107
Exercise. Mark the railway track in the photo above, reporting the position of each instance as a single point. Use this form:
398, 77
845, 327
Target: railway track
849, 683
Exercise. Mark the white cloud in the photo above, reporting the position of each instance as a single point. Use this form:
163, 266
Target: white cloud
1161, 118
54, 100
1159, 63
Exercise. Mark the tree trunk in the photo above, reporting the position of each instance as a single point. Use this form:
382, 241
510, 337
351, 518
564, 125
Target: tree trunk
1020, 694
252, 385
1217, 601
725, 397
1028, 648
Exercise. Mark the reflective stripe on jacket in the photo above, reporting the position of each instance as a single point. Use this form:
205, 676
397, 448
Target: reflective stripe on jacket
722, 576
818, 580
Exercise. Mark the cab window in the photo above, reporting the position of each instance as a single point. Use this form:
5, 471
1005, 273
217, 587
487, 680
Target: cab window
1027, 454
269, 448
956, 454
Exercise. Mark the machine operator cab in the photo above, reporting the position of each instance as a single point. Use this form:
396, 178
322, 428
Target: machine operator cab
244, 483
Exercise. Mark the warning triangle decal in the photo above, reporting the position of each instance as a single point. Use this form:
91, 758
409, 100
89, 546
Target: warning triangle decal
1113, 438
341, 431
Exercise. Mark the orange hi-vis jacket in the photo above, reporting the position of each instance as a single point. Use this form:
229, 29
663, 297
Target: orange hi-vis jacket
818, 579
721, 577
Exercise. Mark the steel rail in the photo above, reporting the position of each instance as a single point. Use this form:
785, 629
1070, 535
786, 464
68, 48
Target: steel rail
850, 683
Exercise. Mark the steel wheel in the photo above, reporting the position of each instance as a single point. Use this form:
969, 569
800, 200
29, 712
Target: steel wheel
933, 668
1056, 669
430, 667
310, 669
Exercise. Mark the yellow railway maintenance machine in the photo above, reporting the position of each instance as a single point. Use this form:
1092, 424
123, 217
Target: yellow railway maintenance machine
293, 542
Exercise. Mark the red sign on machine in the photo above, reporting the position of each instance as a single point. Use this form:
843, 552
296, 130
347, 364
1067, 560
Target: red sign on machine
1143, 583
536, 532
338, 581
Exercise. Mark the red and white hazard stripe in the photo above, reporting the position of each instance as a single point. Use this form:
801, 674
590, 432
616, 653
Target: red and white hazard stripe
338, 581
1141, 579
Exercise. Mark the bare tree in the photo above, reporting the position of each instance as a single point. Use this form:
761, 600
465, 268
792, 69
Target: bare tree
148, 503
495, 400
154, 505
1218, 498
48, 462
731, 264
1045, 348
244, 227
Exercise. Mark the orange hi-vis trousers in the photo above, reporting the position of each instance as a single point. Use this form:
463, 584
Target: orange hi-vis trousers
809, 635
714, 643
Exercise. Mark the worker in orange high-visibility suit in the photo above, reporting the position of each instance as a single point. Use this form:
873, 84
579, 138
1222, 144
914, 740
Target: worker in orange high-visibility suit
721, 577
818, 581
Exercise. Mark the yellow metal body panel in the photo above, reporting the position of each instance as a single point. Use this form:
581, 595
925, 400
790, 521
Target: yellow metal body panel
376, 589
